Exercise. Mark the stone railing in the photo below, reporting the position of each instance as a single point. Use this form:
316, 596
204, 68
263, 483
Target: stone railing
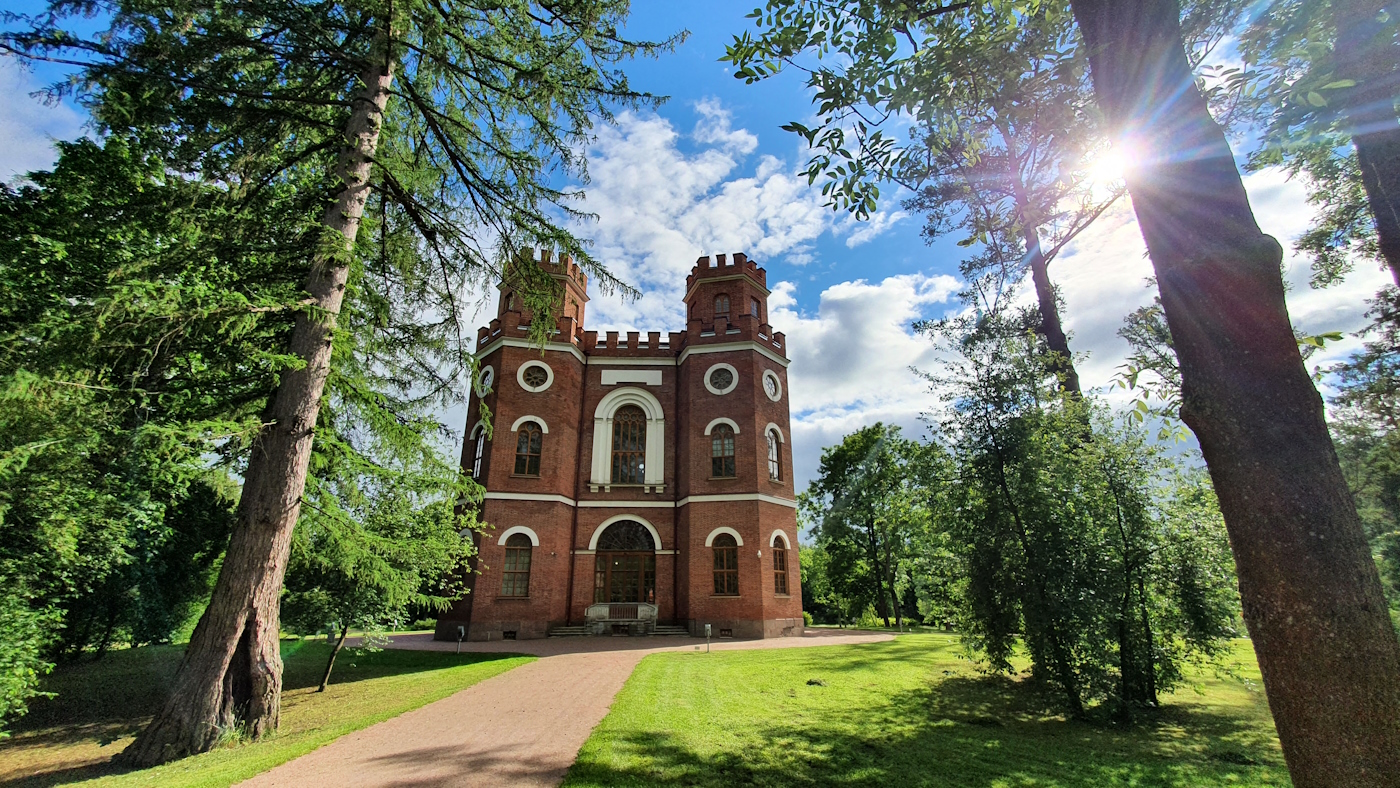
633, 618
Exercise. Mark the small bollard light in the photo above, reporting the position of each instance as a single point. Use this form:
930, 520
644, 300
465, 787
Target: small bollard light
461, 633
707, 638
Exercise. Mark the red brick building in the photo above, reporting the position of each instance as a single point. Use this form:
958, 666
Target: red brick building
639, 481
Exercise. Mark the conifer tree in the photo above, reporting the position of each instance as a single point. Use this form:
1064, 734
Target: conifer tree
455, 119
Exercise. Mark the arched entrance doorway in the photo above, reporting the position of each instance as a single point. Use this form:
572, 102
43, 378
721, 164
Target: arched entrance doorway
625, 569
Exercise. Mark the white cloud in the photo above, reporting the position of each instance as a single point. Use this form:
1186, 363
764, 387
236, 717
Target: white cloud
853, 361
659, 207
29, 126
714, 128
1101, 276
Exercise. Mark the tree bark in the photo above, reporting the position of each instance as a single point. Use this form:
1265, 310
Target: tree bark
1050, 326
231, 676
330, 663
1366, 53
1311, 593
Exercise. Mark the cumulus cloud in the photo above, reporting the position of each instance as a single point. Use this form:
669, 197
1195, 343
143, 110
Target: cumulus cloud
854, 362
29, 126
1103, 274
662, 199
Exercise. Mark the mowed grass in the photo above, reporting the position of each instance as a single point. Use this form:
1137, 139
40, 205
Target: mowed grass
101, 705
910, 712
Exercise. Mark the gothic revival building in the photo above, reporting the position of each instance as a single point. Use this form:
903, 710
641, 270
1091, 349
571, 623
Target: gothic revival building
635, 482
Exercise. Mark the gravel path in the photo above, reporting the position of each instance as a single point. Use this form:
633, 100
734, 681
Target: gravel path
521, 728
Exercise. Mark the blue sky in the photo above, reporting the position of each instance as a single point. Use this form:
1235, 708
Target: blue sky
711, 172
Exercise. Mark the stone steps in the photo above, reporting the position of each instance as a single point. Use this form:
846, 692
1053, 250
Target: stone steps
670, 630
568, 632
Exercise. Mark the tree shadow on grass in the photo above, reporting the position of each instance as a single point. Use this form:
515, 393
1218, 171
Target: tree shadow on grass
70, 737
958, 732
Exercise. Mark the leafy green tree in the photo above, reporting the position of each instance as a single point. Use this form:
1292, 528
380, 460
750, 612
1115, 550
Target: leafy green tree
1004, 126
446, 124
1321, 78
133, 348
1062, 542
866, 509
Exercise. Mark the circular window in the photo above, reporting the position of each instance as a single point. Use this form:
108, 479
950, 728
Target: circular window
772, 386
721, 379
484, 381
534, 376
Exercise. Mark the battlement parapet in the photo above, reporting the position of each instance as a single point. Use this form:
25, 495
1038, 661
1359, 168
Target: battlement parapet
726, 265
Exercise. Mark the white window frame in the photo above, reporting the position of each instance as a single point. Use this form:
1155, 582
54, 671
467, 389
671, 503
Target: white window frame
654, 474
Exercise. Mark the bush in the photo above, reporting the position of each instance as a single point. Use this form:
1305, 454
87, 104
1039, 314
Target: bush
24, 634
806, 618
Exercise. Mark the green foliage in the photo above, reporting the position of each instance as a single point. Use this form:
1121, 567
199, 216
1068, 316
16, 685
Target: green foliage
24, 635
1069, 534
865, 508
133, 352
1291, 88
1365, 423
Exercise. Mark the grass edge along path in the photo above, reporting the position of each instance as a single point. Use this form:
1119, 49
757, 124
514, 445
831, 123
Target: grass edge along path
367, 688
911, 712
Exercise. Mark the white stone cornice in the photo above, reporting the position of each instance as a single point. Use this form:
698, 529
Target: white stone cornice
729, 347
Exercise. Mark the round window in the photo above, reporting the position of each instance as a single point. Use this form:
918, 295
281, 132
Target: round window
721, 378
772, 386
534, 376
484, 381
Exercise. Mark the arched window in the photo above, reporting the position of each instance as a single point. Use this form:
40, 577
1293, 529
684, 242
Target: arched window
479, 453
775, 463
629, 445
515, 580
625, 567
722, 306
780, 585
529, 441
722, 451
726, 565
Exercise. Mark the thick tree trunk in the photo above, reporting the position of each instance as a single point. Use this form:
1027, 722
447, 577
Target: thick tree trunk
231, 676
1311, 593
1050, 326
1366, 53
330, 663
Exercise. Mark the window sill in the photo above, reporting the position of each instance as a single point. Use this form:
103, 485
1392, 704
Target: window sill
724, 478
512, 599
525, 476
725, 596
782, 596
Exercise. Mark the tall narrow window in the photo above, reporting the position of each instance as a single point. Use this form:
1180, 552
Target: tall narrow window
780, 585
775, 463
480, 453
753, 307
515, 580
722, 451
726, 565
722, 306
528, 443
629, 447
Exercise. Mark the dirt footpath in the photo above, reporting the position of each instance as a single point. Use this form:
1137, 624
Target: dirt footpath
523, 727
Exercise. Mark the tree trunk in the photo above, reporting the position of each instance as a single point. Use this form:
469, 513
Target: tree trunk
882, 601
1050, 326
1366, 53
1311, 593
330, 663
231, 675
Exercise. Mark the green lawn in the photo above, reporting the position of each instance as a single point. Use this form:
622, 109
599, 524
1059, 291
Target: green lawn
909, 712
100, 706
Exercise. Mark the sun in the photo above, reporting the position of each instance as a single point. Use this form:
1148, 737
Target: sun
1112, 165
